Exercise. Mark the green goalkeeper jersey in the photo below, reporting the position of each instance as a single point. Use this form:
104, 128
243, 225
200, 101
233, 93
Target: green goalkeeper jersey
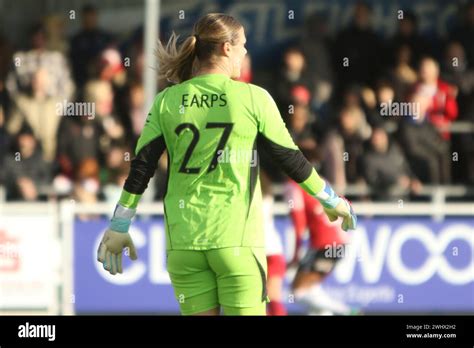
213, 128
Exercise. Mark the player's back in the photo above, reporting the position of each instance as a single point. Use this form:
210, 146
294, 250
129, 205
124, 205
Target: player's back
210, 130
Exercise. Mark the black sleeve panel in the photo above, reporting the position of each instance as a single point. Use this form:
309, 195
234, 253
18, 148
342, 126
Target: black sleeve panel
291, 161
144, 165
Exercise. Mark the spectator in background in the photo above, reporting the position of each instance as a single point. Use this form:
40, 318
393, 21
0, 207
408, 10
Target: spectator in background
300, 126
354, 131
132, 48
357, 96
407, 36
78, 138
291, 75
425, 144
360, 48
402, 73
384, 93
135, 114
464, 31
456, 71
368, 103
385, 167
84, 136
110, 67
55, 34
130, 98
300, 121
101, 94
438, 96
38, 111
38, 57
375, 100
87, 45
342, 141
89, 136
316, 48
26, 170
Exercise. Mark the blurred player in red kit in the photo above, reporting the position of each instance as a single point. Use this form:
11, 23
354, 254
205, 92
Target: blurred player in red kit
325, 240
325, 237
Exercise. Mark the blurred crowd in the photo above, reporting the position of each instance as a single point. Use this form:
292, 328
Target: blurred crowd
378, 112
72, 111
363, 109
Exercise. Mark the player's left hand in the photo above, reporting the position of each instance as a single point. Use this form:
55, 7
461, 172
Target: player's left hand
110, 250
342, 209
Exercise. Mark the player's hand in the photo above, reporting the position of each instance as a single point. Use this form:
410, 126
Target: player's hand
343, 209
110, 250
115, 239
336, 206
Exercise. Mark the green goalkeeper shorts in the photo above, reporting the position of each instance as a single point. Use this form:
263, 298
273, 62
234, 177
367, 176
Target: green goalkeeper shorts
232, 278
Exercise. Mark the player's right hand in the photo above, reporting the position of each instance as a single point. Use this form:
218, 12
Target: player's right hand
110, 250
343, 209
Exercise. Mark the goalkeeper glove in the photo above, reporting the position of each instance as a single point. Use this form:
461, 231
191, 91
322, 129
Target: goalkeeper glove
115, 239
336, 206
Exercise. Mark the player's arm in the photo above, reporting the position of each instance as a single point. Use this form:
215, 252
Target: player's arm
273, 137
150, 147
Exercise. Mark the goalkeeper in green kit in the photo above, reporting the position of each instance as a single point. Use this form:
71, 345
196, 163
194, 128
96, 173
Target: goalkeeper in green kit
213, 214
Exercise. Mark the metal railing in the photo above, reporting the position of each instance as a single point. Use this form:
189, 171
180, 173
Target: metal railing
435, 193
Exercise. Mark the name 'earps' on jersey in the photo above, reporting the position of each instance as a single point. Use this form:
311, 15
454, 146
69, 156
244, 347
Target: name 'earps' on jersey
204, 100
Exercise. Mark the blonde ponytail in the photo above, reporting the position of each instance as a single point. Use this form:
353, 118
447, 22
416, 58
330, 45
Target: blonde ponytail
179, 64
176, 65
